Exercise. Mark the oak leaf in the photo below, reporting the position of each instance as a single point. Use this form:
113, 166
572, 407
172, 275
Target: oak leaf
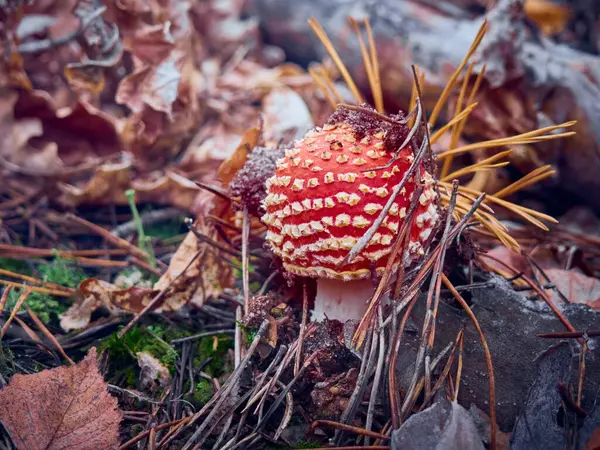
65, 407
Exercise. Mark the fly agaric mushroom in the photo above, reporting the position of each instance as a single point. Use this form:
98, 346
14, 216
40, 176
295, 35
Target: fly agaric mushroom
326, 193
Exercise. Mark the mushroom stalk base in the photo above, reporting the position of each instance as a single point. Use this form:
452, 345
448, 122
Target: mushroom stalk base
342, 300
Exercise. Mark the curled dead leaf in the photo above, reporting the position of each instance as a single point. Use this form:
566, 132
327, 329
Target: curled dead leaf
65, 407
153, 375
235, 162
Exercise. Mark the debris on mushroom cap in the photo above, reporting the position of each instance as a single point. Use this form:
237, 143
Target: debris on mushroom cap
330, 188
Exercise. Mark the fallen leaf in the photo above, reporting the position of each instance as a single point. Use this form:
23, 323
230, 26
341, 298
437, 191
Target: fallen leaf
286, 115
537, 426
444, 426
205, 278
65, 407
552, 18
576, 287
153, 375
235, 162
594, 442
153, 86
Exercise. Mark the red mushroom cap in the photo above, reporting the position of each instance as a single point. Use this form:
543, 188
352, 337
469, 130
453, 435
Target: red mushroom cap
325, 194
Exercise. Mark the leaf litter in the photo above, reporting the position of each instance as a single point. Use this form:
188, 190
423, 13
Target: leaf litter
204, 337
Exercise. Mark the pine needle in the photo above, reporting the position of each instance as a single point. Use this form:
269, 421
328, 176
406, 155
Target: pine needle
322, 35
452, 81
322, 87
491, 161
530, 137
533, 177
370, 61
455, 120
457, 110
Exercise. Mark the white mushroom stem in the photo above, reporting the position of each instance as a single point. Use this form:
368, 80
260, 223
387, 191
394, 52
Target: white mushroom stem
342, 300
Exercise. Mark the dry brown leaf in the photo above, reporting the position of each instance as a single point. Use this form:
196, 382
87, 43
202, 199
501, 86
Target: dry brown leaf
236, 161
110, 181
551, 17
93, 294
153, 375
65, 407
152, 43
594, 441
205, 278
576, 287
286, 115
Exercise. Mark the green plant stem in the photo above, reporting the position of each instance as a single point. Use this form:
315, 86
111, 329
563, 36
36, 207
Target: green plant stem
144, 242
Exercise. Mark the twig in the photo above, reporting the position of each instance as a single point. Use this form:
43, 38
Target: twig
201, 335
46, 44
115, 240
488, 359
346, 427
569, 335
302, 329
245, 276
143, 434
224, 392
49, 335
15, 310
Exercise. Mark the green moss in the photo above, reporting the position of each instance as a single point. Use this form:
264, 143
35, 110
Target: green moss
203, 392
47, 307
15, 265
166, 230
122, 353
205, 349
7, 367
307, 444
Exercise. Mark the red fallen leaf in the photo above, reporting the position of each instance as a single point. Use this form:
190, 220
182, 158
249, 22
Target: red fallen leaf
66, 407
576, 287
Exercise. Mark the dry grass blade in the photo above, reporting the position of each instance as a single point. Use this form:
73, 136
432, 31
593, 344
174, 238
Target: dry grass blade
302, 329
245, 272
322, 35
528, 214
459, 368
399, 248
4, 297
542, 293
157, 298
420, 81
488, 359
452, 81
